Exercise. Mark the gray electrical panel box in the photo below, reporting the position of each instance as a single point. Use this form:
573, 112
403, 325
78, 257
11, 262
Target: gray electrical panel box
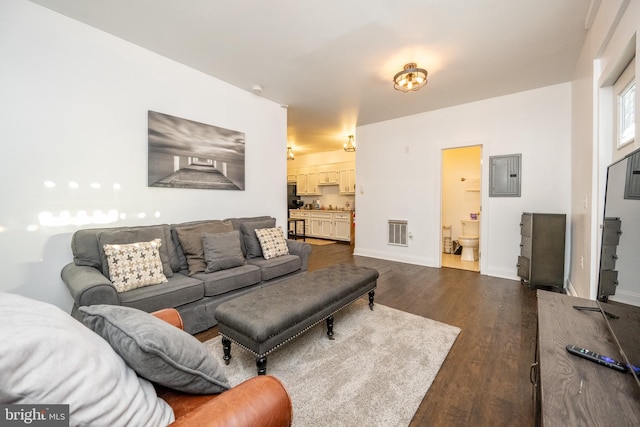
504, 175
632, 182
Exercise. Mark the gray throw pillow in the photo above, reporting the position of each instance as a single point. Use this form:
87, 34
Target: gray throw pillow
222, 251
251, 241
126, 236
190, 237
157, 350
47, 356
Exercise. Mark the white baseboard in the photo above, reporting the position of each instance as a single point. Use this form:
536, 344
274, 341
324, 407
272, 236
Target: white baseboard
426, 262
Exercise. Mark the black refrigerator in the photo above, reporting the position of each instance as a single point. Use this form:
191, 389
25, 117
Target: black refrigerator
292, 198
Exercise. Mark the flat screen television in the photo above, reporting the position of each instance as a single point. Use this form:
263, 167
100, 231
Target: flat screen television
619, 279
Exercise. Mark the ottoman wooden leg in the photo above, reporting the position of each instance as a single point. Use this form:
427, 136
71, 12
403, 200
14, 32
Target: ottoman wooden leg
261, 363
330, 327
371, 294
226, 347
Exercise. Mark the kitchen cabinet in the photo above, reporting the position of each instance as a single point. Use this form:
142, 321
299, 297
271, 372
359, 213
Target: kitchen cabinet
310, 178
328, 177
347, 181
342, 226
312, 183
542, 247
301, 188
307, 184
322, 225
334, 225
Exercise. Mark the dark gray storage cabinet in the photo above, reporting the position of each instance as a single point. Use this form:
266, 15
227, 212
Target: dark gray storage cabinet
611, 231
542, 246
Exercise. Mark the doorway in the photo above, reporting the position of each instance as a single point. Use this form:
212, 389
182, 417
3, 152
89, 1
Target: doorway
461, 203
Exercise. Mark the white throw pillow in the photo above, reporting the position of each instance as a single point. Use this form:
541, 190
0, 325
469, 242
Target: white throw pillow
272, 242
48, 357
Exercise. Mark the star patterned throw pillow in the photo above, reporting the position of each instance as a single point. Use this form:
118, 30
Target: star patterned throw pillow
135, 265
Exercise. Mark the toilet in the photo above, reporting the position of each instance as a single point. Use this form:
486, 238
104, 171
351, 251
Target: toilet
470, 239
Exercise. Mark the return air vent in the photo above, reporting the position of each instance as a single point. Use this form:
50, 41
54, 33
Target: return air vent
397, 233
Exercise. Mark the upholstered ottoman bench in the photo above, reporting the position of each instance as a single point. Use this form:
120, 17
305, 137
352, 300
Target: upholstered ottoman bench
265, 319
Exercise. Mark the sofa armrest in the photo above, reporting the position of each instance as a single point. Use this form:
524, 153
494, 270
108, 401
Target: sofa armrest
88, 285
171, 316
302, 249
261, 401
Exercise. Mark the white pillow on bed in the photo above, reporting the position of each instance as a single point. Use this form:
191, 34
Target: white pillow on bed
48, 357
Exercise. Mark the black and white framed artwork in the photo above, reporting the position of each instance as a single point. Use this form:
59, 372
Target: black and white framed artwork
188, 154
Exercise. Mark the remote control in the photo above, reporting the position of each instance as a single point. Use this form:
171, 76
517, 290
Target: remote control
597, 358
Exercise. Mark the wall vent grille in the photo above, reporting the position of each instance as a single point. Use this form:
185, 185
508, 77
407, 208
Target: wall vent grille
397, 233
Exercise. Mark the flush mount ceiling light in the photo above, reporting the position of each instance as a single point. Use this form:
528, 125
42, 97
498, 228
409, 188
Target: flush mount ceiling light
411, 78
289, 153
350, 145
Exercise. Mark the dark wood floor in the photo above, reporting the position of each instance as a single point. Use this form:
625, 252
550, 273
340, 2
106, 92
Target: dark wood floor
485, 379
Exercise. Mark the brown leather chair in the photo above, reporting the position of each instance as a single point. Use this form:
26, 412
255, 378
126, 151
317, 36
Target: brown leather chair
261, 401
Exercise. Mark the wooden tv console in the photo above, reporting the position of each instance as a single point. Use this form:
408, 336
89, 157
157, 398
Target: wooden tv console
571, 391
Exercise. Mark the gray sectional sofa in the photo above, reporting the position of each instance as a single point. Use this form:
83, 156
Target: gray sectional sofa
195, 285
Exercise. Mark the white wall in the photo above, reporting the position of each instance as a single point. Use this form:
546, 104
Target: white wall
593, 146
74, 108
398, 170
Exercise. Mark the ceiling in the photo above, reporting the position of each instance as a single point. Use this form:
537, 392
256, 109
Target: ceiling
331, 62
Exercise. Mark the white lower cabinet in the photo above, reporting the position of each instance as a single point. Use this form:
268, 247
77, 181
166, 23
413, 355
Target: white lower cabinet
325, 225
321, 225
342, 226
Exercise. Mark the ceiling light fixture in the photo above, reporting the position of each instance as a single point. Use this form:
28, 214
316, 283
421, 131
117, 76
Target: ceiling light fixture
350, 145
411, 78
289, 153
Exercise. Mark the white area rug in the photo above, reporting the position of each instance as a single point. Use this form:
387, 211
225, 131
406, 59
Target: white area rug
375, 373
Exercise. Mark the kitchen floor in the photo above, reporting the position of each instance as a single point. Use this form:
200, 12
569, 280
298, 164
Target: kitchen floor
455, 261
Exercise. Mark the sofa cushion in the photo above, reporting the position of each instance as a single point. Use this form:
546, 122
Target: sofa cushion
178, 290
251, 242
134, 235
276, 267
237, 222
134, 265
182, 259
190, 237
223, 281
87, 251
272, 242
49, 357
222, 250
157, 350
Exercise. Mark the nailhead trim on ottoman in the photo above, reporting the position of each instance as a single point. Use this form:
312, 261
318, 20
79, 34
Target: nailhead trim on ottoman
265, 319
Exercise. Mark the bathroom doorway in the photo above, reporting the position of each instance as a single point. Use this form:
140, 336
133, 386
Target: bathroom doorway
461, 207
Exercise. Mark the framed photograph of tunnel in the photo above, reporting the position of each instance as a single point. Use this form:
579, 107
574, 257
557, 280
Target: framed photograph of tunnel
188, 154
